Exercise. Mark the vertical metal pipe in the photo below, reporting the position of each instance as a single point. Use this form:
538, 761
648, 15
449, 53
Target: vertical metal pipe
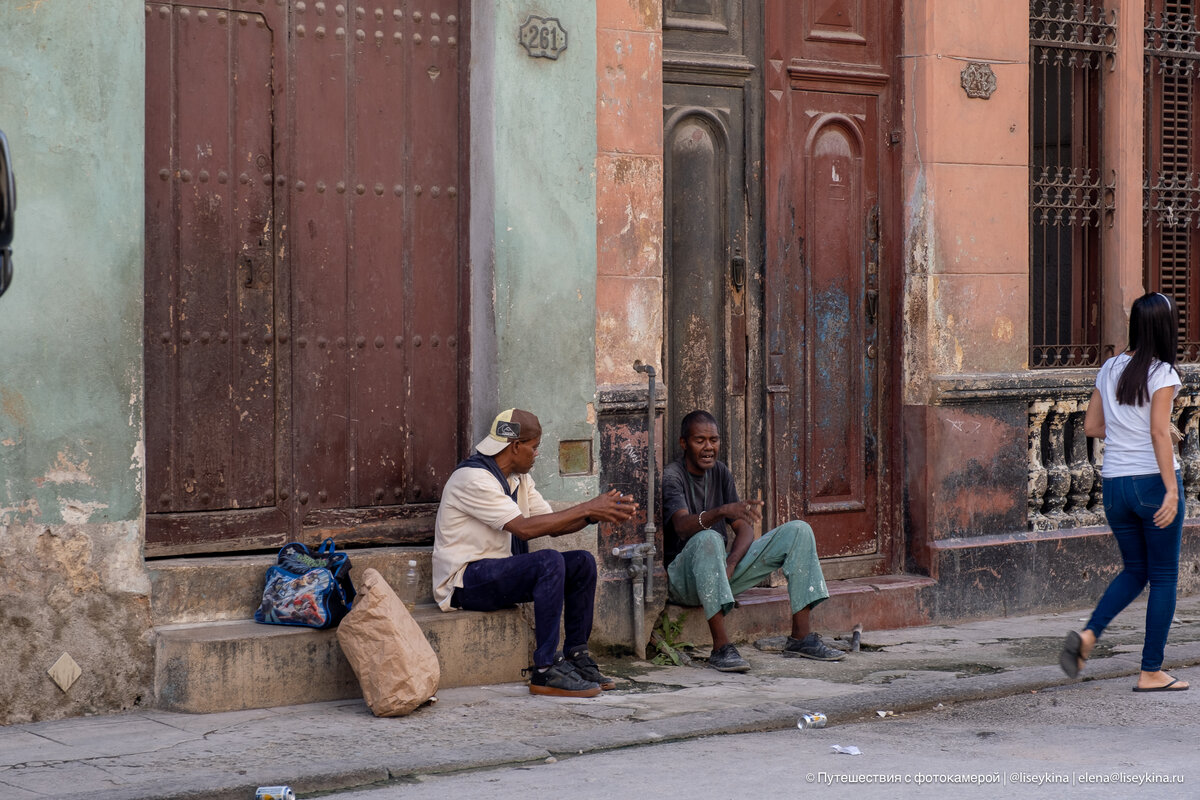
639, 611
651, 530
643, 590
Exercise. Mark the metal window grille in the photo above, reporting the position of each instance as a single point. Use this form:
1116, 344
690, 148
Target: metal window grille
1071, 49
1171, 184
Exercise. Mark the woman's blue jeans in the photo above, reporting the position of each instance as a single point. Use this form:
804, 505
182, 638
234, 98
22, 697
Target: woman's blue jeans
1151, 555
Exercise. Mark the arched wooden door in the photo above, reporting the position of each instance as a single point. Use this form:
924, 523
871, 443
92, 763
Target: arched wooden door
830, 213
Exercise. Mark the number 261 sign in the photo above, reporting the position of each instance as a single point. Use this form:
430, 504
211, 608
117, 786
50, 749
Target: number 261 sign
543, 37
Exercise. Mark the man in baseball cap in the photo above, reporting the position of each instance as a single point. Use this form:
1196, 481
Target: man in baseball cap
489, 511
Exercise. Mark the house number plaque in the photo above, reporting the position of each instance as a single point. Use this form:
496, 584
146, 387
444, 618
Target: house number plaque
543, 37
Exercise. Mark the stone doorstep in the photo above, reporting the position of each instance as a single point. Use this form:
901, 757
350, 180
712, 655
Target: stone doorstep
879, 603
239, 664
211, 656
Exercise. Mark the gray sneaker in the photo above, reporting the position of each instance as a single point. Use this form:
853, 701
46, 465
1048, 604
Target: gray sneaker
560, 680
811, 646
728, 659
586, 668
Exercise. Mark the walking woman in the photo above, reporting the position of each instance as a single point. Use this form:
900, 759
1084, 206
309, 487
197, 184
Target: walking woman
1143, 491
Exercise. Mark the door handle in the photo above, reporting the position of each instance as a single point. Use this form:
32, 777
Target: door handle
738, 270
872, 306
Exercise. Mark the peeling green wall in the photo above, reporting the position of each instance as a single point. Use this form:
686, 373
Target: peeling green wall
71, 103
534, 195
71, 572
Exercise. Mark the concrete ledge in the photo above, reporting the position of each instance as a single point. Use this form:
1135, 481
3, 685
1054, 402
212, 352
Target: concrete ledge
230, 587
241, 664
879, 603
1031, 572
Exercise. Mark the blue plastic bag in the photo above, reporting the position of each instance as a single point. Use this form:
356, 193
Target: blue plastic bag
307, 588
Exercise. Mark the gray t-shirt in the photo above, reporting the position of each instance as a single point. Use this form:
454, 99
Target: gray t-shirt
693, 493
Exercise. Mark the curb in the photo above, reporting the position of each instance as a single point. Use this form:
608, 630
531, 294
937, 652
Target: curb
348, 774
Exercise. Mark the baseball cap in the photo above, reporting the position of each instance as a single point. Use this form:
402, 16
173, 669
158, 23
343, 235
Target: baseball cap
509, 426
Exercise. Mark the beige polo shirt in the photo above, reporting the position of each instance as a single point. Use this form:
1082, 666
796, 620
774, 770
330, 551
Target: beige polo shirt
470, 524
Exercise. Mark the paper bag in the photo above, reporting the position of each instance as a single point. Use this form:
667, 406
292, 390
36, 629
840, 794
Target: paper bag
396, 667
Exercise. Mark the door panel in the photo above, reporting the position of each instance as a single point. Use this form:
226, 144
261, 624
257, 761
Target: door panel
712, 287
827, 109
322, 262
436, 177
210, 361
698, 178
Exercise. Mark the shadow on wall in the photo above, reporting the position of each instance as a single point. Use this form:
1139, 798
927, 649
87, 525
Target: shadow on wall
8, 210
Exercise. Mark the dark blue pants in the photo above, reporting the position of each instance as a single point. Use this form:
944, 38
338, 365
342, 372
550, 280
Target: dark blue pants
555, 582
1151, 555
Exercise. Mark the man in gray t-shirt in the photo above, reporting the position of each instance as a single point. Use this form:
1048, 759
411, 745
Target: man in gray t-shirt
700, 503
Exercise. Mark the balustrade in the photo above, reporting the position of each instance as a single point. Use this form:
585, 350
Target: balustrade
1064, 464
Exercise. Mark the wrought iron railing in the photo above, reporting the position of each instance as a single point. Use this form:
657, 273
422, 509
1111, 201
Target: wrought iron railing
1071, 189
1171, 182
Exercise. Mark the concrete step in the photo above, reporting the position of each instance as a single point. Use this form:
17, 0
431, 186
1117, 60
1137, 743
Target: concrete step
211, 656
880, 603
231, 665
185, 590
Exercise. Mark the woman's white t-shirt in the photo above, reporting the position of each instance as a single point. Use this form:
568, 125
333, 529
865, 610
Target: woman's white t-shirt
1127, 446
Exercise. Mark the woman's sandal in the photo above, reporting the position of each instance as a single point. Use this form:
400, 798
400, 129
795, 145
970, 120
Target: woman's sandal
1071, 658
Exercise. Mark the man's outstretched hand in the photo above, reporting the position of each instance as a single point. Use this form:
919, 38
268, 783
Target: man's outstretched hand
748, 510
612, 506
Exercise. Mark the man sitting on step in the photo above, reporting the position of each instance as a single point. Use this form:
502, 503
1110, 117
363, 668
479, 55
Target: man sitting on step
481, 560
699, 501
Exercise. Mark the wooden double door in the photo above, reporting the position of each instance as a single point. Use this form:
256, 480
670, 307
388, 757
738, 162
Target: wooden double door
304, 310
782, 266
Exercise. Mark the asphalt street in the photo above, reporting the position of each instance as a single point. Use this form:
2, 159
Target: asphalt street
1094, 739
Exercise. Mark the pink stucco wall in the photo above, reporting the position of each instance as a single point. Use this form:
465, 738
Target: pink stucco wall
966, 174
629, 186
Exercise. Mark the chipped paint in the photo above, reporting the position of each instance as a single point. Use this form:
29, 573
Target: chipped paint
75, 512
22, 512
13, 405
64, 471
70, 507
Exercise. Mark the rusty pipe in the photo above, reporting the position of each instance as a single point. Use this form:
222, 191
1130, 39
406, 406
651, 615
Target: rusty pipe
638, 601
650, 530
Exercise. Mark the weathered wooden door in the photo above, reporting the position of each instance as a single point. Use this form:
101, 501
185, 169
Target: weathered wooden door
711, 131
830, 210
303, 272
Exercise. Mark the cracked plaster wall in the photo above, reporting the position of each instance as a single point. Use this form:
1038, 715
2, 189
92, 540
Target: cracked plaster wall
966, 248
71, 466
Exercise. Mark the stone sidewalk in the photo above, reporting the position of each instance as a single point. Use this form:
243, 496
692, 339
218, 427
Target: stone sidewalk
337, 745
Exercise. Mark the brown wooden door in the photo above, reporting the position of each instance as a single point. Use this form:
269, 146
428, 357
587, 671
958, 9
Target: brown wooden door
303, 277
711, 129
829, 200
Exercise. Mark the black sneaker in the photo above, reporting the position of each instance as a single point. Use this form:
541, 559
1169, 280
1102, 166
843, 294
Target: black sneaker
811, 646
728, 659
561, 680
589, 670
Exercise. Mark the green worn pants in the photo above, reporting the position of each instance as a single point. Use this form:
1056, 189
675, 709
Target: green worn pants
697, 575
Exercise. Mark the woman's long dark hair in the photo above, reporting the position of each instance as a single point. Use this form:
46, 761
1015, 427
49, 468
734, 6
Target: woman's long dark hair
1153, 334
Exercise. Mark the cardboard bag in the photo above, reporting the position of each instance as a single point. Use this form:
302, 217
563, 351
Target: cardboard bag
396, 667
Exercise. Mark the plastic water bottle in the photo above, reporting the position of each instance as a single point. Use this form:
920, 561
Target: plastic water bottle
412, 585
810, 720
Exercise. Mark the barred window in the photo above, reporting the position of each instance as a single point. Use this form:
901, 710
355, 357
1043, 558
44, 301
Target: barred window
1171, 185
1071, 52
